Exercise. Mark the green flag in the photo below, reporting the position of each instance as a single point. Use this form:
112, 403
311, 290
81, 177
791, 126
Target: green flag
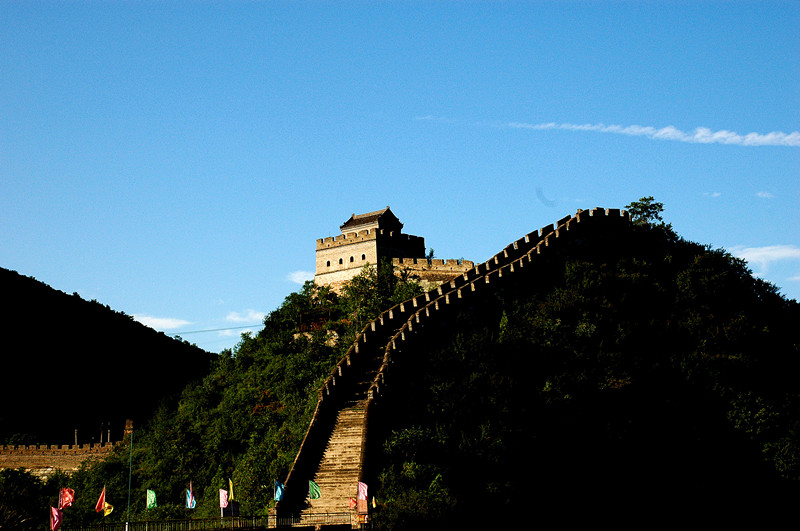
151, 499
313, 490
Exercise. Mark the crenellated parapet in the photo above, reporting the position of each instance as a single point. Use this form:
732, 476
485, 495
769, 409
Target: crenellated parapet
381, 235
54, 449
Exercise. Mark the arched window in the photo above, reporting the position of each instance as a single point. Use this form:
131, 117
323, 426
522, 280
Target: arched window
363, 257
341, 261
351, 259
328, 264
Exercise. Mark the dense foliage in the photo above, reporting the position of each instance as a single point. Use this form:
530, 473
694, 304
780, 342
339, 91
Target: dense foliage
245, 420
645, 372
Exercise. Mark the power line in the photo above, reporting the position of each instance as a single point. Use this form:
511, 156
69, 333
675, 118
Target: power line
213, 330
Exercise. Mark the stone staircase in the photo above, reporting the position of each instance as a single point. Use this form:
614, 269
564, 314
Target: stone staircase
338, 472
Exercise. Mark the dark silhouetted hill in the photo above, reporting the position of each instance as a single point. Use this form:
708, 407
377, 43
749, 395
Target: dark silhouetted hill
67, 363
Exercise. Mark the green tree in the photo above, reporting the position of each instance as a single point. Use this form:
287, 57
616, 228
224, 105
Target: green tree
646, 211
24, 504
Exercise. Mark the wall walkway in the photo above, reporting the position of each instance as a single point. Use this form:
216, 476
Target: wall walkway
336, 454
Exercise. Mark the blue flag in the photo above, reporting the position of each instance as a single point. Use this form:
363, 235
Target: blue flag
190, 501
278, 491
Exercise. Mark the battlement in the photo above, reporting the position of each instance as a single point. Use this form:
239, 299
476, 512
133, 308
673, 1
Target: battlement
433, 264
385, 236
45, 449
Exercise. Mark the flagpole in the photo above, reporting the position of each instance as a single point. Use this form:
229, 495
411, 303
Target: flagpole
130, 466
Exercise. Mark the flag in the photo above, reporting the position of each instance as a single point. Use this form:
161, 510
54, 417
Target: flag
101, 502
230, 489
278, 491
223, 498
352, 503
56, 517
107, 508
362, 491
374, 505
151, 499
313, 490
65, 498
190, 501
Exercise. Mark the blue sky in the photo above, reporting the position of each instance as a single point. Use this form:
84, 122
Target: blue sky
177, 160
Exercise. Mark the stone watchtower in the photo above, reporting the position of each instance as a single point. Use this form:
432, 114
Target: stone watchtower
368, 238
365, 239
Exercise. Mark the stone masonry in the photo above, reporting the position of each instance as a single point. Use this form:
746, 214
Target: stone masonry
368, 238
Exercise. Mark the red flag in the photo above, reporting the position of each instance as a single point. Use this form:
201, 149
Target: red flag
56, 516
362, 491
101, 503
65, 498
352, 503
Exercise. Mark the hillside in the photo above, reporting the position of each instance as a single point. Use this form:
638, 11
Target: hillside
81, 365
630, 374
625, 373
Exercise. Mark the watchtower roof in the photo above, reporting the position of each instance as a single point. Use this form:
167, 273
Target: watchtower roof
384, 219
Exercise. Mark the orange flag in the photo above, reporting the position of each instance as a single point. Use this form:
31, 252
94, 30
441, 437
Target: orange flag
102, 505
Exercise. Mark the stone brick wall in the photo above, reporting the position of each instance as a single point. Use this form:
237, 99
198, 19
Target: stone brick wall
42, 460
432, 273
340, 258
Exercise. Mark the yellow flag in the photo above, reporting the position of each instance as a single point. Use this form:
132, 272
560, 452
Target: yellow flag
107, 508
230, 489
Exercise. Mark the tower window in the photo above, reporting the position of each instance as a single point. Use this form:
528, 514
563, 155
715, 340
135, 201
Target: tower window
328, 264
351, 258
341, 261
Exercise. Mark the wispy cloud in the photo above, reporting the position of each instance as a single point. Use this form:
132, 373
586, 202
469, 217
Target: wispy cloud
249, 316
299, 277
764, 256
238, 332
161, 323
701, 135
712, 194
765, 195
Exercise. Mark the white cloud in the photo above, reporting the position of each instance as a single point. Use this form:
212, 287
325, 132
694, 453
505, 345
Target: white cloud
701, 135
299, 277
764, 256
247, 317
765, 195
161, 323
712, 194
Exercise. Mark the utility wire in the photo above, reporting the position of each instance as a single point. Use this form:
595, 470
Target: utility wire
214, 330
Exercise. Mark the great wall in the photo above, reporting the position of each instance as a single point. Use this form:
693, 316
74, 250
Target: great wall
336, 452
43, 460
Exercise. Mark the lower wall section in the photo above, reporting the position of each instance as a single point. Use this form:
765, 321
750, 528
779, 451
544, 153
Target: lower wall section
43, 461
